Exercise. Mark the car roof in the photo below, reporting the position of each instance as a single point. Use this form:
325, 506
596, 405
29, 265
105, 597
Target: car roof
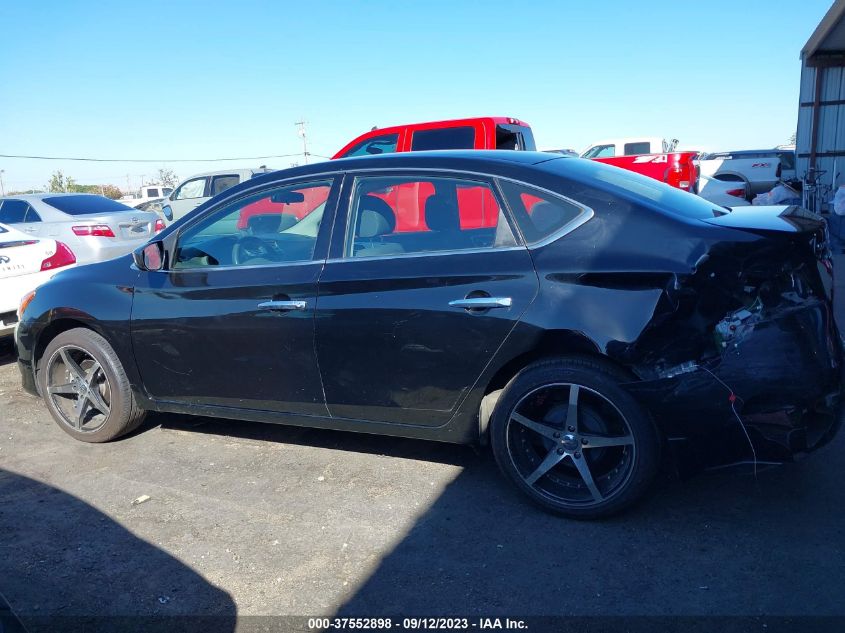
443, 159
495, 162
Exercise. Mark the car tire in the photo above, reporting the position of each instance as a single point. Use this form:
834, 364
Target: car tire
596, 467
86, 389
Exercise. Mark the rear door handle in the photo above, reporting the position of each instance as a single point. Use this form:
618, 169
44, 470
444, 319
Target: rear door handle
482, 303
30, 229
282, 306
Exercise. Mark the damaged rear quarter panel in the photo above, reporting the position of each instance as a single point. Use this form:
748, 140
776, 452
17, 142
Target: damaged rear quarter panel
709, 318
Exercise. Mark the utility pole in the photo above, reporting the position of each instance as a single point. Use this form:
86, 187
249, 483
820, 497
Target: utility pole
302, 135
2, 188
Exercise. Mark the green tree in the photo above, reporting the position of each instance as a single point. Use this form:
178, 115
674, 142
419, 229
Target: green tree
167, 178
58, 183
110, 191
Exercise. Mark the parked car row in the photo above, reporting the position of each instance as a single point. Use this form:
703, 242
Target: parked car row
71, 229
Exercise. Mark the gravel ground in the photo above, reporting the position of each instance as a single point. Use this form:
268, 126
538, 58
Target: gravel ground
249, 519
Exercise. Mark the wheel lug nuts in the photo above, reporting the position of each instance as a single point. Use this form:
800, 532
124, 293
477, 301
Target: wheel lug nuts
556, 435
584, 441
571, 429
577, 455
560, 451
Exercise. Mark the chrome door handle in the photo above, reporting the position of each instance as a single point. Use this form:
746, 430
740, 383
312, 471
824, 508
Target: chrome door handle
30, 229
283, 306
482, 303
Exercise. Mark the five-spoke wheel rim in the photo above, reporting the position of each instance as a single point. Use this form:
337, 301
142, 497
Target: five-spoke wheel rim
571, 445
78, 389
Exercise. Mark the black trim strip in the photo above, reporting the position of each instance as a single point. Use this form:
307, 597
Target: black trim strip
833, 102
824, 154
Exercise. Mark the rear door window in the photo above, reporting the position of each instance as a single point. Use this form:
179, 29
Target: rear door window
637, 148
445, 138
384, 144
219, 184
152, 193
394, 215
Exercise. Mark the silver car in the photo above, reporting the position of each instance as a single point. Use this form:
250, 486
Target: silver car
95, 228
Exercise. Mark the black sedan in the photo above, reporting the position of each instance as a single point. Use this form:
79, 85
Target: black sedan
588, 323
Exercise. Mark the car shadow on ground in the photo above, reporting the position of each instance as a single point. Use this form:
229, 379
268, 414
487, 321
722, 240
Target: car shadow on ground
722, 543
719, 544
67, 560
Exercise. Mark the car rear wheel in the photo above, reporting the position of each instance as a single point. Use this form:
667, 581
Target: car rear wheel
86, 389
573, 440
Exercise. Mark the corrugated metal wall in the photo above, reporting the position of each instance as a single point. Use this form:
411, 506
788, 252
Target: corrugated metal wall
831, 136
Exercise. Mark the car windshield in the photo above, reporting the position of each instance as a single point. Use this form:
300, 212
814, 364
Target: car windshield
668, 198
86, 204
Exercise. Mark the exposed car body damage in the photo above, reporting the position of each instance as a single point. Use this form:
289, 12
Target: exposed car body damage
732, 339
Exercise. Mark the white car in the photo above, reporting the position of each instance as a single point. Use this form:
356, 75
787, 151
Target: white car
722, 192
26, 263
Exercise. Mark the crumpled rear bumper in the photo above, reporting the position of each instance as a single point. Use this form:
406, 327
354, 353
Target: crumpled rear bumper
780, 386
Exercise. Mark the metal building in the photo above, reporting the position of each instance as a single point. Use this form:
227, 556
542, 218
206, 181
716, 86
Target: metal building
820, 137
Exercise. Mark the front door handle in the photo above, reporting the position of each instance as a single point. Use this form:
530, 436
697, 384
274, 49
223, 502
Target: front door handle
282, 306
482, 303
30, 229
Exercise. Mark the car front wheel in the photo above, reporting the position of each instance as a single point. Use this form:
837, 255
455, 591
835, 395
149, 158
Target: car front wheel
86, 389
570, 437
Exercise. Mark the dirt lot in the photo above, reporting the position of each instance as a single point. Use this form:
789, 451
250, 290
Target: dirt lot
254, 519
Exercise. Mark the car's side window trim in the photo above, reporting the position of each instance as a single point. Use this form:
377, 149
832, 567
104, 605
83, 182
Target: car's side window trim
483, 179
573, 224
320, 247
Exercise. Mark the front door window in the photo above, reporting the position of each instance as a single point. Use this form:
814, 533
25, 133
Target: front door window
273, 227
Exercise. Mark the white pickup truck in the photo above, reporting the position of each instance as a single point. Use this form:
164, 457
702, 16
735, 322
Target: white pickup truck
147, 193
632, 146
758, 170
191, 193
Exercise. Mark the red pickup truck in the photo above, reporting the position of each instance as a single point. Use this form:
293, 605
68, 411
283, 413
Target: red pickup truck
477, 133
675, 168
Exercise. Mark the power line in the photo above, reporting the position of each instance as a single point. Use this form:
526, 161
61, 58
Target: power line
147, 160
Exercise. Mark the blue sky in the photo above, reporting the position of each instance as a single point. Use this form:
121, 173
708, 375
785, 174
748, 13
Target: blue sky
185, 79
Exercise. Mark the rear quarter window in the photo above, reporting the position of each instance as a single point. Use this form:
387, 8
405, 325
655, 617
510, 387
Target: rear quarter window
86, 204
540, 214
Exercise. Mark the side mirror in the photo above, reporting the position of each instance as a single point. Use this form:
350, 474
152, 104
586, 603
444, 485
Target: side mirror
150, 256
168, 212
